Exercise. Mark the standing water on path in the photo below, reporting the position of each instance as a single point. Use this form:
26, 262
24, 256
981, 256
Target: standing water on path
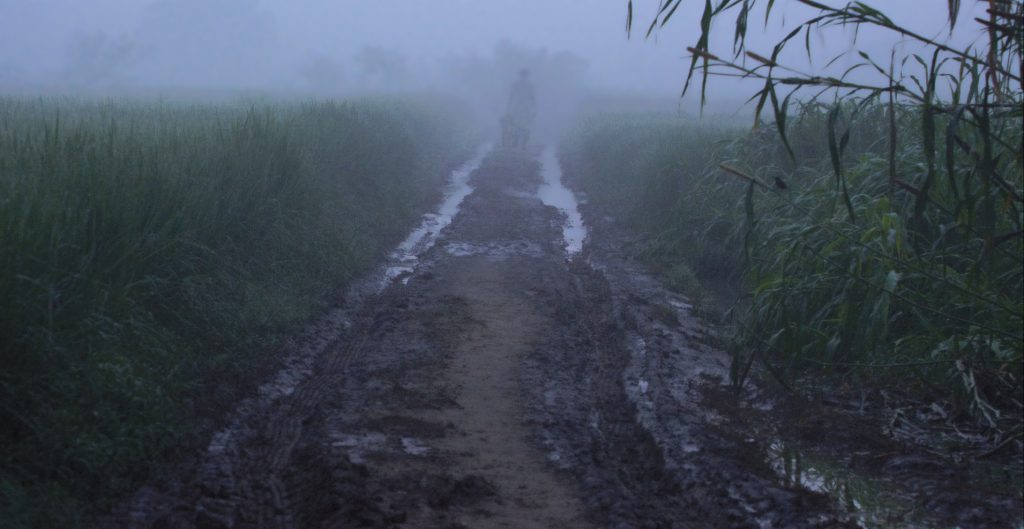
403, 260
553, 193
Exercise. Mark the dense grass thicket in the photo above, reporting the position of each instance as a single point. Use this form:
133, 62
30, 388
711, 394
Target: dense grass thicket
150, 252
643, 169
874, 222
913, 285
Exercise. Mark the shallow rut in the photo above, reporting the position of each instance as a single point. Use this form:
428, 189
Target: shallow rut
485, 387
245, 485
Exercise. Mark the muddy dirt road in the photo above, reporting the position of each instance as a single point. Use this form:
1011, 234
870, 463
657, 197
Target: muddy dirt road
494, 380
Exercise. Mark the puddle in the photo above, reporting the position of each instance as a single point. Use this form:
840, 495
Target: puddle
871, 502
553, 193
494, 250
682, 307
414, 447
358, 446
403, 260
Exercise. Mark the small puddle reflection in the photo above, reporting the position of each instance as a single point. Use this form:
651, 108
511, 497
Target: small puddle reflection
871, 502
413, 446
553, 193
403, 260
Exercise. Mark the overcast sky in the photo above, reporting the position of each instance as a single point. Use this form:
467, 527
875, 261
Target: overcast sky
344, 45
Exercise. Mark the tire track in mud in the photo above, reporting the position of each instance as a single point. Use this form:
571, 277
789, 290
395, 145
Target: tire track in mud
249, 487
281, 466
261, 494
633, 464
685, 471
487, 390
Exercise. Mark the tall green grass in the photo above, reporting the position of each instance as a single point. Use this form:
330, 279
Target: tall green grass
880, 290
881, 231
150, 252
649, 171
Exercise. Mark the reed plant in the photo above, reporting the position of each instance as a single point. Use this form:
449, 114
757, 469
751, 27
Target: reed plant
875, 221
151, 254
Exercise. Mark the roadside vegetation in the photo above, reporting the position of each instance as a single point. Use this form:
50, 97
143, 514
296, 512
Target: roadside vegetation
872, 224
151, 254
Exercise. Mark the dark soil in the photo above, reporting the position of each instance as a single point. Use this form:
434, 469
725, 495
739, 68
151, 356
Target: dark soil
503, 385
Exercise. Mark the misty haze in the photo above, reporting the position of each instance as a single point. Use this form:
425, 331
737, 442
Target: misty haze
511, 264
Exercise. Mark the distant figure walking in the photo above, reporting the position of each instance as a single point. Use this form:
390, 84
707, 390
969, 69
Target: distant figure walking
518, 118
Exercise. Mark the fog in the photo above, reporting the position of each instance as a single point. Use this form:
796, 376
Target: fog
336, 48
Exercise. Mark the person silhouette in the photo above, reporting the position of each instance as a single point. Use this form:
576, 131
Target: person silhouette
520, 112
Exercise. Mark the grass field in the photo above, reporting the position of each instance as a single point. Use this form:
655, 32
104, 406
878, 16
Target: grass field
150, 253
850, 279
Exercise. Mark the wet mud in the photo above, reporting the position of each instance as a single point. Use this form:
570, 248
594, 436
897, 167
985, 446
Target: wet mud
874, 463
502, 378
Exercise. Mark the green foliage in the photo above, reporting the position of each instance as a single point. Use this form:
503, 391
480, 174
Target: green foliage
881, 231
870, 281
872, 290
150, 252
652, 173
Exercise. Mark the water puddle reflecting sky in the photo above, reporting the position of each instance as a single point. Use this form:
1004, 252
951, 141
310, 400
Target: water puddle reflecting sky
872, 503
553, 193
403, 260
